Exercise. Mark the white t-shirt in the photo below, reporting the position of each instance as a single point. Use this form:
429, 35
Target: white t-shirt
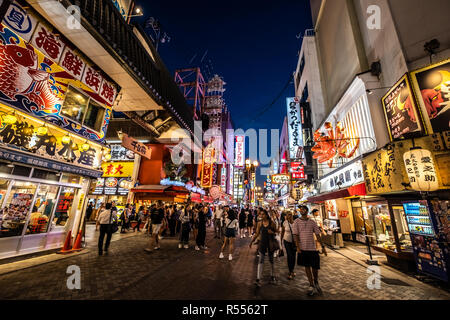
218, 214
105, 217
287, 231
231, 224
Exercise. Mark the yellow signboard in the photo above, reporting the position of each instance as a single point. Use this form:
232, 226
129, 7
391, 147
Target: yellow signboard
118, 169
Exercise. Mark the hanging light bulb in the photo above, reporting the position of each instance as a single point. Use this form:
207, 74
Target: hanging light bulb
65, 139
85, 146
10, 119
108, 156
42, 130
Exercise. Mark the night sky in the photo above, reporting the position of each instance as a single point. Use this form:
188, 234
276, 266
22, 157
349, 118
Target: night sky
253, 45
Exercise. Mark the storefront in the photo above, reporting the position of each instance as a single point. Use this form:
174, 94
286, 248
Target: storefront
391, 223
54, 116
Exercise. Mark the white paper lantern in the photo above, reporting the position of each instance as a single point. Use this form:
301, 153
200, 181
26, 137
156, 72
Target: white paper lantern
420, 168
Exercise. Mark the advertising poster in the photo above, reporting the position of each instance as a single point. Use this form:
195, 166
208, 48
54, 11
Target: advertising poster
400, 110
294, 122
432, 86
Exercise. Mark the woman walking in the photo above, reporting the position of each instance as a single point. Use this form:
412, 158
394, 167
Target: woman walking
185, 220
289, 243
138, 218
267, 244
124, 218
249, 223
231, 228
242, 222
201, 235
105, 220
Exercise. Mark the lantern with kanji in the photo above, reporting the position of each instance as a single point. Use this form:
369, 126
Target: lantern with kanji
421, 170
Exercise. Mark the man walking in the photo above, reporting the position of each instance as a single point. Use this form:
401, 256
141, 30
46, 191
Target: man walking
105, 220
304, 230
217, 222
156, 217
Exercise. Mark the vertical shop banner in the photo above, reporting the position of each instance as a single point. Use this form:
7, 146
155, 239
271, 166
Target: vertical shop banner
240, 151
297, 171
401, 111
207, 167
223, 179
432, 85
294, 122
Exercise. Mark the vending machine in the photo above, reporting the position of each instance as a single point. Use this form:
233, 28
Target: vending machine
429, 230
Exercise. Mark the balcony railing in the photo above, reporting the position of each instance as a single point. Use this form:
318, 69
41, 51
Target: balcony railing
112, 31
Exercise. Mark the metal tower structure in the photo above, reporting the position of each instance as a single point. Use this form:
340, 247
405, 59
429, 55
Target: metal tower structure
215, 105
193, 86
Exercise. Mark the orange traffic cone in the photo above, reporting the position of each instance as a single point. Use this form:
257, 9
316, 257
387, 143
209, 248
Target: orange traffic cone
67, 244
77, 245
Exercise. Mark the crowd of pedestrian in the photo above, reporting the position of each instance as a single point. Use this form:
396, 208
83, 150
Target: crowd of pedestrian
296, 235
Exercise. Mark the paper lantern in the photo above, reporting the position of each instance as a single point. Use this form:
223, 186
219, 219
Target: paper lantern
85, 146
421, 170
65, 139
42, 131
10, 119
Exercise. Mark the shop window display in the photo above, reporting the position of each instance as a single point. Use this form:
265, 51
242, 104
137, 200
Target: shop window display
16, 208
42, 209
63, 208
383, 227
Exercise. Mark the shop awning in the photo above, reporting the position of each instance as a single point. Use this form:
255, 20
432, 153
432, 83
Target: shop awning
151, 188
357, 190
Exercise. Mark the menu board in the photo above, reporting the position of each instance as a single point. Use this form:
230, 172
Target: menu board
418, 218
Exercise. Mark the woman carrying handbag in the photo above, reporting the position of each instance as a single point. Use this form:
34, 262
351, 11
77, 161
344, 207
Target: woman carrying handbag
289, 243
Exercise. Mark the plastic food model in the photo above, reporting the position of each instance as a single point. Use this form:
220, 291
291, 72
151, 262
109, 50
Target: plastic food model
332, 144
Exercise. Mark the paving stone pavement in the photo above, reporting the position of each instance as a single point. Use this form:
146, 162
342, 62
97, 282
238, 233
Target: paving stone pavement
171, 273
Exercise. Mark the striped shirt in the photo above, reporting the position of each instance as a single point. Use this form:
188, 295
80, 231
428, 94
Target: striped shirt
306, 230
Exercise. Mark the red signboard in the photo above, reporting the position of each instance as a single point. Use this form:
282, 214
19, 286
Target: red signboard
207, 168
297, 170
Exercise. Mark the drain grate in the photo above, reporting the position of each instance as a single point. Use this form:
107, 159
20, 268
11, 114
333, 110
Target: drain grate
395, 282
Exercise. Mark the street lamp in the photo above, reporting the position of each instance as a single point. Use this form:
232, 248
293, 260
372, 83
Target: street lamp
138, 12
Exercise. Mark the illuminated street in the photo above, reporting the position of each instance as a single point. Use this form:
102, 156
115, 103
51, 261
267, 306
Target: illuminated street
225, 151
129, 273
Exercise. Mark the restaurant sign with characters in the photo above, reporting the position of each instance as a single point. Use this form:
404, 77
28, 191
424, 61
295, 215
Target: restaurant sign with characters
40, 69
31, 137
385, 169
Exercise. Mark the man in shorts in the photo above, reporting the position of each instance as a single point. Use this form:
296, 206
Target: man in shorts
156, 217
304, 230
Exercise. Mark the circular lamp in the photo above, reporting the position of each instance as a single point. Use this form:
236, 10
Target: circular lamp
255, 163
108, 156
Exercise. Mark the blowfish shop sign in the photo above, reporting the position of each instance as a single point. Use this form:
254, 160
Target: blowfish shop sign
294, 126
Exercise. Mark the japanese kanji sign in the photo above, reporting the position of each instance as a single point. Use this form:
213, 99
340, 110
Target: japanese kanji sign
136, 146
297, 170
420, 168
207, 167
52, 143
72, 63
294, 122
240, 151
47, 42
281, 179
20, 21
117, 169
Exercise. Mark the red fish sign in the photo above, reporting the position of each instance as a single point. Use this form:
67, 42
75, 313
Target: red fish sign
332, 144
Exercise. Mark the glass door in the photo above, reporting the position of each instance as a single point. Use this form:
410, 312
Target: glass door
43, 209
63, 209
